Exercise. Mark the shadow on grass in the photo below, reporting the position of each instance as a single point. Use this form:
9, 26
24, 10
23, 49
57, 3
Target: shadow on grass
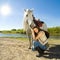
53, 52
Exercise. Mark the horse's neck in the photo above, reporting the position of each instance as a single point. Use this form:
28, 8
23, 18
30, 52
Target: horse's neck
27, 22
26, 25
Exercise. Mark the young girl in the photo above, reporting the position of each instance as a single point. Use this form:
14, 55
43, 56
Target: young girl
39, 40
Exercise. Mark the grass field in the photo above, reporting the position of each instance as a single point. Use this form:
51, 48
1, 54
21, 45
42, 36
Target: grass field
54, 41
50, 41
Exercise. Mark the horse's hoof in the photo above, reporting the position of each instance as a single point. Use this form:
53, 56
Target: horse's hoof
29, 48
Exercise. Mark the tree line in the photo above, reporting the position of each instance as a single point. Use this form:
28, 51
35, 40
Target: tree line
54, 31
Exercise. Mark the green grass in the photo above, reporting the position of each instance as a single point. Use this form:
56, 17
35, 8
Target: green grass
18, 38
54, 41
19, 31
23, 39
50, 41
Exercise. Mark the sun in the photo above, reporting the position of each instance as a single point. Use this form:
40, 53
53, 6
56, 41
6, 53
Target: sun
5, 10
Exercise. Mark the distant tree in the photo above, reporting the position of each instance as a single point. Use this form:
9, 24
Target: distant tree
13, 29
0, 31
54, 31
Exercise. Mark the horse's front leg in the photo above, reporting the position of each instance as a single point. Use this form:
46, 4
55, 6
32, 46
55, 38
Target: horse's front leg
30, 41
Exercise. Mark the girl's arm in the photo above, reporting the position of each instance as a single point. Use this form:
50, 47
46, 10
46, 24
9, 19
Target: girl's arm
38, 36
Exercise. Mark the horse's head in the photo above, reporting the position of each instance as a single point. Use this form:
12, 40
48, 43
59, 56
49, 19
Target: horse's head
28, 15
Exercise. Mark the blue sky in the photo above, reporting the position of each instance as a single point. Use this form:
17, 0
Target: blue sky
47, 10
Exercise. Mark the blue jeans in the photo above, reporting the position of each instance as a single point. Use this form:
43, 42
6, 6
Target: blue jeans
36, 44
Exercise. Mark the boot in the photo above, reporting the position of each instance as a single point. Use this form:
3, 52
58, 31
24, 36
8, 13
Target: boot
40, 51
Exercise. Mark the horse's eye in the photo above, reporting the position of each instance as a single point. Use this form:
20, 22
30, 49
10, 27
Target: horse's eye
26, 15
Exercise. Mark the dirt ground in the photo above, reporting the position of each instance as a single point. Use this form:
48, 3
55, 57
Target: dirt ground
13, 49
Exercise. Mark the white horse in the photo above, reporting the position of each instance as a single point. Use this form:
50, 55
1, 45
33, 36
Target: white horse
28, 21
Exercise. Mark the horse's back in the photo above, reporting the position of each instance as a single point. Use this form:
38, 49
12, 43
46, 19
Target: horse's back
44, 27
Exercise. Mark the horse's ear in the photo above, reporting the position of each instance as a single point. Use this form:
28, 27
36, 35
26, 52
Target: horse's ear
25, 10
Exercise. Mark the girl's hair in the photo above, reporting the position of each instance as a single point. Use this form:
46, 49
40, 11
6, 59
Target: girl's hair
38, 30
46, 33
